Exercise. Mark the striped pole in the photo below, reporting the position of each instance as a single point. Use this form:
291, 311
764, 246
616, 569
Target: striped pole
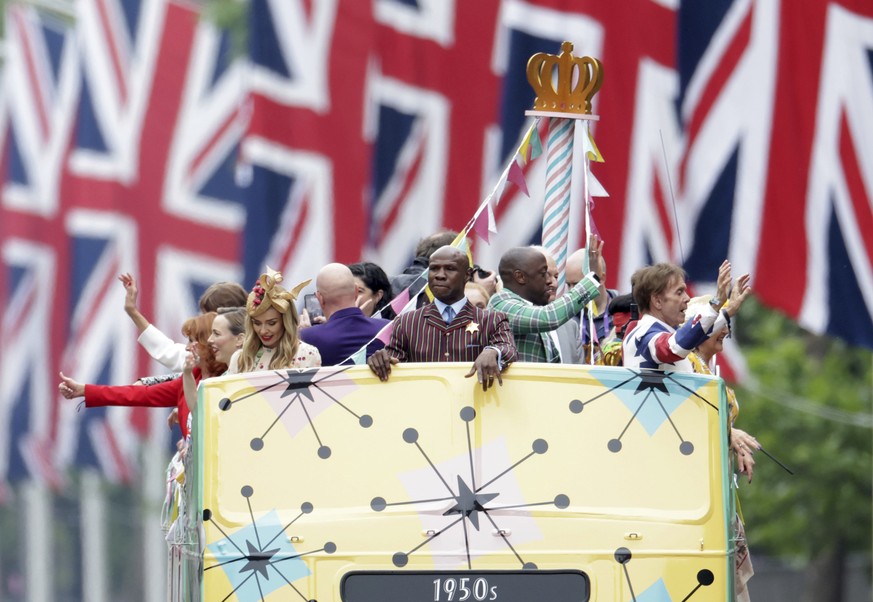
556, 211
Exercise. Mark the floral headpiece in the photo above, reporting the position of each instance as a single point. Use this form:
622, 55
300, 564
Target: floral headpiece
267, 293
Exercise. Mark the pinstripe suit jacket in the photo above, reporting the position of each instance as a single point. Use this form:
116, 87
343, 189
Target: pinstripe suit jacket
423, 336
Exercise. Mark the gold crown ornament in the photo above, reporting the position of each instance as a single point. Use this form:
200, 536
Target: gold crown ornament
578, 80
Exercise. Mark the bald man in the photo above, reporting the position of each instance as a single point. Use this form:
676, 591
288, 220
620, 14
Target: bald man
573, 273
347, 328
451, 329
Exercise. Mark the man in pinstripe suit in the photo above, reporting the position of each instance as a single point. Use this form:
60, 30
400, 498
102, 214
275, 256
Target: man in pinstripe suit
450, 329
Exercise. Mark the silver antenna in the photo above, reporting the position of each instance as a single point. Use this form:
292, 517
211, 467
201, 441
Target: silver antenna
672, 198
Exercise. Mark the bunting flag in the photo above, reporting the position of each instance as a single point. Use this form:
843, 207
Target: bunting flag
360, 356
516, 176
595, 188
590, 147
483, 223
399, 303
536, 145
524, 151
384, 335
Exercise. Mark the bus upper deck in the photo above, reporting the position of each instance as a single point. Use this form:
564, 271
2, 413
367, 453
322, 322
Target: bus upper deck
567, 483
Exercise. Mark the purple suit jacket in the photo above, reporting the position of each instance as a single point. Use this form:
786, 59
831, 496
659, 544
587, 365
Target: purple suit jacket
343, 334
423, 336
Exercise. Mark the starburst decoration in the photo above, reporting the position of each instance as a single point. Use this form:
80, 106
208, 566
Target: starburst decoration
652, 396
469, 502
303, 388
256, 566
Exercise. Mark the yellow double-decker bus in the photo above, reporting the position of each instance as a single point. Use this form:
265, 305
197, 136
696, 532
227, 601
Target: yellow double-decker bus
566, 484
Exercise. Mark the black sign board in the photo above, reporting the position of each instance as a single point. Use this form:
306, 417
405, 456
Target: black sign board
465, 586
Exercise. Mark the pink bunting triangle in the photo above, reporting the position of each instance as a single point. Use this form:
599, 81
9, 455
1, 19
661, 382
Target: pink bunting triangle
384, 335
400, 301
516, 176
480, 226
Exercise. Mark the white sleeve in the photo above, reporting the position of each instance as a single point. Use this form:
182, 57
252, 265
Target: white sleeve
162, 348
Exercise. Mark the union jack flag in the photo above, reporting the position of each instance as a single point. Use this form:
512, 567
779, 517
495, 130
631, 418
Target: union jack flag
119, 134
132, 140
775, 170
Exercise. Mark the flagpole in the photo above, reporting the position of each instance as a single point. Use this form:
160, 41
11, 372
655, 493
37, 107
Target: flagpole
93, 542
155, 555
586, 195
38, 520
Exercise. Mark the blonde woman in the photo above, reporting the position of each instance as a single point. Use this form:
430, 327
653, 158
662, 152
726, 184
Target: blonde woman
271, 341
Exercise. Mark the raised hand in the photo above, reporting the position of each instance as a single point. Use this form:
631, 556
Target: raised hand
132, 292
595, 256
364, 306
489, 282
723, 282
739, 294
191, 361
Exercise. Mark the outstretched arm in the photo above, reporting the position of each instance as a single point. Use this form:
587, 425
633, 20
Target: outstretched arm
525, 318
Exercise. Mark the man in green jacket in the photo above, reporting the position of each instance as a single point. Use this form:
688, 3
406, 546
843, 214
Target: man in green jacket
527, 284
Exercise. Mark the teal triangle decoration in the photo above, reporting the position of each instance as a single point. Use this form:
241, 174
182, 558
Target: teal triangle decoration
657, 592
652, 395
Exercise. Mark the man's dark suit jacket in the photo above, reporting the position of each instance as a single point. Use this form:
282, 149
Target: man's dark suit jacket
343, 334
423, 336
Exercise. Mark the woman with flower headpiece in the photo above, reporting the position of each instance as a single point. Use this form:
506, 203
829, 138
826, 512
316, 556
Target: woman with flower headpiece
271, 341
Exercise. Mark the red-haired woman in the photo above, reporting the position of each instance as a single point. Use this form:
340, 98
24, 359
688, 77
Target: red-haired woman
163, 395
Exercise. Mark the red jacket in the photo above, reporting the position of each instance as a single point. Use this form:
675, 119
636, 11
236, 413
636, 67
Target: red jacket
163, 395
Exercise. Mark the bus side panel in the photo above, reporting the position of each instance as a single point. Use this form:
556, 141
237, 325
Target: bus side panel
318, 478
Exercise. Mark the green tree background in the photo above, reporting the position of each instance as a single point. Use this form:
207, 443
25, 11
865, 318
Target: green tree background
808, 402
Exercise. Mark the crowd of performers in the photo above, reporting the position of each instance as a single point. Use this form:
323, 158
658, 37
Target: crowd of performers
488, 318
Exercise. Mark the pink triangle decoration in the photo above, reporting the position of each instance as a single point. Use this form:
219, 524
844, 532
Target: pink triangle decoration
400, 301
481, 225
516, 176
384, 335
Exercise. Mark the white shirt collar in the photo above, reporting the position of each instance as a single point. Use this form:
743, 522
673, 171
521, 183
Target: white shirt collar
457, 305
